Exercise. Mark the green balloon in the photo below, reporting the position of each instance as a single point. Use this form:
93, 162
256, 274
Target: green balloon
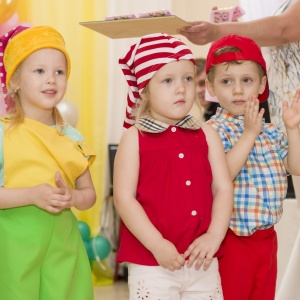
84, 230
89, 250
101, 247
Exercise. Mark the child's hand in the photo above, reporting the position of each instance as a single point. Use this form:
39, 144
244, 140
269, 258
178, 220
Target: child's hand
167, 256
291, 114
253, 117
52, 199
202, 250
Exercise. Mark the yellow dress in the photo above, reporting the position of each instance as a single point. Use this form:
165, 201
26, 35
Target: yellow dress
42, 255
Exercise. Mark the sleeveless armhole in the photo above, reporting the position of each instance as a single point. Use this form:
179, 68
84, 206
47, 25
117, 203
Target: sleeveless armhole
1, 154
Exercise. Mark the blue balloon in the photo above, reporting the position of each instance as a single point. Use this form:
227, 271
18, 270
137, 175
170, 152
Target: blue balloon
84, 230
101, 247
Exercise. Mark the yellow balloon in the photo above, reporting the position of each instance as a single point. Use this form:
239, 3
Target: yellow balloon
7, 9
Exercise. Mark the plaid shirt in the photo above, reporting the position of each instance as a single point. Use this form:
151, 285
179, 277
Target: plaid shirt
261, 185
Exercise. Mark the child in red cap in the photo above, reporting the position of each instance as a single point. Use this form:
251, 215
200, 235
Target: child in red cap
259, 161
172, 187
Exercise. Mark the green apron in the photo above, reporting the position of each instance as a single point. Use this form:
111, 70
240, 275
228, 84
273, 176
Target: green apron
42, 255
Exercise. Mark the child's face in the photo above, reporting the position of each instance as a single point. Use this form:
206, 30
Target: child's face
42, 80
234, 84
172, 91
200, 89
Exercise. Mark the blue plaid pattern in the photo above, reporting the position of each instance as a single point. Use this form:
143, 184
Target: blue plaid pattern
261, 185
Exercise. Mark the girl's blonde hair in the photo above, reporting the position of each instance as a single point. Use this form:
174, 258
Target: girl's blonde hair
16, 113
142, 108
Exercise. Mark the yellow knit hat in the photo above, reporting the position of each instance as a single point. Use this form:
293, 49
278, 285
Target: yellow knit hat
28, 41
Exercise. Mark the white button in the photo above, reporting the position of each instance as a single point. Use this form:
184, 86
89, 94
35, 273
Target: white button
173, 129
181, 155
188, 182
194, 213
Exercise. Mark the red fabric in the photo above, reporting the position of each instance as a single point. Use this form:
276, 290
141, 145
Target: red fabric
248, 267
3, 43
162, 191
249, 51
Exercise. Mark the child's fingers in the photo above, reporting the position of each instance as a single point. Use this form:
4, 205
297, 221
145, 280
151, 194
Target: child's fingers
59, 181
261, 113
296, 98
207, 263
251, 108
285, 105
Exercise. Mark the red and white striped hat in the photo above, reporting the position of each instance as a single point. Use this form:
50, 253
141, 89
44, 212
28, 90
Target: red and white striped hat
144, 59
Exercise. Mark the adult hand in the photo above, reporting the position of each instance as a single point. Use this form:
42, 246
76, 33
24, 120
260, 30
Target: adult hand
200, 33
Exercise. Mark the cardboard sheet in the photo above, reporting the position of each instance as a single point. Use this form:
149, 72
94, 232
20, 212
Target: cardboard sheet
128, 28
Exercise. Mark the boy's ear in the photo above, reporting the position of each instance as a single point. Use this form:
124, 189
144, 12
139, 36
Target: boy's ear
209, 88
262, 84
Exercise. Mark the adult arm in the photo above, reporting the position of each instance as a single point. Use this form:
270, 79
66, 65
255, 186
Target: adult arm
268, 31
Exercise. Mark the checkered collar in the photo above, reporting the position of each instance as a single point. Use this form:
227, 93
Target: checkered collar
148, 124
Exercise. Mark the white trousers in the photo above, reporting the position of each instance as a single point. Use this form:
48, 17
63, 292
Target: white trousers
157, 283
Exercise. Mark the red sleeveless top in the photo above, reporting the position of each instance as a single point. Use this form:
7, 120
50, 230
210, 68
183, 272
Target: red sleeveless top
174, 188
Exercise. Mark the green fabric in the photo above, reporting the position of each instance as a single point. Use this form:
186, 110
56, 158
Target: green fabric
1, 155
46, 260
42, 255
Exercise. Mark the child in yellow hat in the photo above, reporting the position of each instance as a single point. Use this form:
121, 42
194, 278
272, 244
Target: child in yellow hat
44, 171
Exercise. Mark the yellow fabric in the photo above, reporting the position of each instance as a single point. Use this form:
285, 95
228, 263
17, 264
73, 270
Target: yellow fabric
28, 41
87, 85
58, 153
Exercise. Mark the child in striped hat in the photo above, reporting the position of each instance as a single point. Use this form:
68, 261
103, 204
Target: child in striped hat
172, 187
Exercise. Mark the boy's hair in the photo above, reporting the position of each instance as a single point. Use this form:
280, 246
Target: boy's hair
143, 60
236, 49
211, 72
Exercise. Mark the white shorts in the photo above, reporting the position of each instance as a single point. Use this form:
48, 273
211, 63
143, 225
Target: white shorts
157, 283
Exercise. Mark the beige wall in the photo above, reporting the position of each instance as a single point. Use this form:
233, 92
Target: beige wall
195, 10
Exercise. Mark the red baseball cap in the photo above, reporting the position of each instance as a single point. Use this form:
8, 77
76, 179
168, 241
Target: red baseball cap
249, 51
